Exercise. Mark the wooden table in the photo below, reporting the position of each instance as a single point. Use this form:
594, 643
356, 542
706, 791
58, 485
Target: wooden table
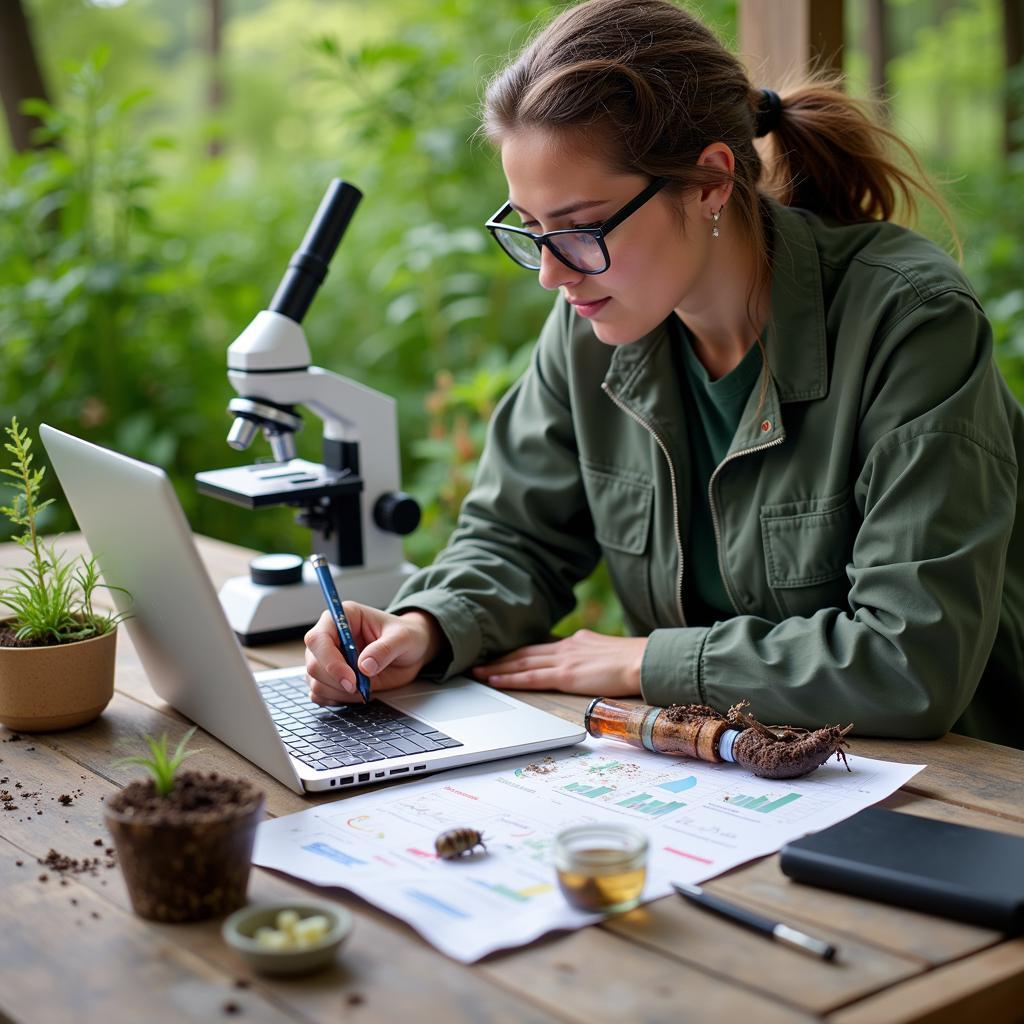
72, 949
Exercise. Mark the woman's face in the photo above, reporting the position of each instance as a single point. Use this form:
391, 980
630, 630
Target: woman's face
655, 264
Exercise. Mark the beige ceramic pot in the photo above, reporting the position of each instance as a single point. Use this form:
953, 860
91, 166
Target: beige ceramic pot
43, 689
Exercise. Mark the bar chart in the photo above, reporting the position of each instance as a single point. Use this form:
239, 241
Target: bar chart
588, 791
762, 804
646, 804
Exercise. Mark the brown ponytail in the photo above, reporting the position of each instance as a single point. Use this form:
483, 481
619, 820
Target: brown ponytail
828, 154
650, 85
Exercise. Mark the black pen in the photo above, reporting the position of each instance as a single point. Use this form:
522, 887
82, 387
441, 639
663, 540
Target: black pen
348, 645
773, 929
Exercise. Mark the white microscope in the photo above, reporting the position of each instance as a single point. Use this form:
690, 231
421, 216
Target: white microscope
353, 501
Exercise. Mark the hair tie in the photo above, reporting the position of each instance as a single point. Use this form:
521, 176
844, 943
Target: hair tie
769, 113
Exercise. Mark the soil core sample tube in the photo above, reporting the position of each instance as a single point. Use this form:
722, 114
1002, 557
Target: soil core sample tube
684, 731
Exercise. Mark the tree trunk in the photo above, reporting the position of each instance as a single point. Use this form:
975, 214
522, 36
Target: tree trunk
1013, 34
215, 89
20, 75
876, 43
945, 100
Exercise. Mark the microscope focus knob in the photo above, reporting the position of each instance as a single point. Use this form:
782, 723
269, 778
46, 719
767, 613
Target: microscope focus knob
397, 512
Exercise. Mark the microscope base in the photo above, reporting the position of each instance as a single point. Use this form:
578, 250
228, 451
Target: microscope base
264, 615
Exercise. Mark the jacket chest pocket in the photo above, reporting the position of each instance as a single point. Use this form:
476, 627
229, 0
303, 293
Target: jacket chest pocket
807, 548
620, 506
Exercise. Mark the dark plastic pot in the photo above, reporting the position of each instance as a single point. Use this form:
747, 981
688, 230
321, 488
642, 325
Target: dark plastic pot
185, 863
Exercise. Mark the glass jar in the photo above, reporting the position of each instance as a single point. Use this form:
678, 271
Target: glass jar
601, 868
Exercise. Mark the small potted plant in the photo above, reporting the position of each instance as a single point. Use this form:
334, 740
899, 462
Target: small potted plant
57, 650
184, 839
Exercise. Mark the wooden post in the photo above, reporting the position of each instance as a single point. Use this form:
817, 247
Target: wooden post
20, 76
781, 40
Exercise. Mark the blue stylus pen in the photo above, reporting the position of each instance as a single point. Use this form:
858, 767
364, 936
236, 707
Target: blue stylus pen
348, 645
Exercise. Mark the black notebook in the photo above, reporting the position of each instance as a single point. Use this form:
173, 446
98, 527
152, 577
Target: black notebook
970, 874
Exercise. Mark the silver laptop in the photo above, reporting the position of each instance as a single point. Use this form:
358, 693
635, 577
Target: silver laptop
138, 533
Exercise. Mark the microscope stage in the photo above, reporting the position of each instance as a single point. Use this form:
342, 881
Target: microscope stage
296, 482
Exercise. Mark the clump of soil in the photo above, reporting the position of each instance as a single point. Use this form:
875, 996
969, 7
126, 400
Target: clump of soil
186, 855
784, 751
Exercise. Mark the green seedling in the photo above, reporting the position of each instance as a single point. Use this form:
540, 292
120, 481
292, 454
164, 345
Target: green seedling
52, 599
162, 766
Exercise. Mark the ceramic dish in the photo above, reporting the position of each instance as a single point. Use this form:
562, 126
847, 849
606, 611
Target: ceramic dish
240, 928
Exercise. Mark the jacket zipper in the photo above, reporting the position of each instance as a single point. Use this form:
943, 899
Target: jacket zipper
672, 477
714, 511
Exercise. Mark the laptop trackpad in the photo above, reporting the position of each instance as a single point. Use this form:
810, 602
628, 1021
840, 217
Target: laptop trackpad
447, 707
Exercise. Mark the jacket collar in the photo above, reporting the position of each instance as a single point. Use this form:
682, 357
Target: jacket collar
795, 341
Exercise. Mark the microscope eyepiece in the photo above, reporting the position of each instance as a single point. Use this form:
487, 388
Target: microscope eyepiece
308, 266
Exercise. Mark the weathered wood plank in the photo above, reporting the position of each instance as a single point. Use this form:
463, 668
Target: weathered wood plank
988, 987
94, 961
961, 771
706, 941
604, 979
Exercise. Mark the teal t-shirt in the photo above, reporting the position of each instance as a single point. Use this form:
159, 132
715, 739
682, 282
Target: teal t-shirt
713, 412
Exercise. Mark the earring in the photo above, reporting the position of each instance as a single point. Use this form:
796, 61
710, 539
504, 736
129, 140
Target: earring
714, 217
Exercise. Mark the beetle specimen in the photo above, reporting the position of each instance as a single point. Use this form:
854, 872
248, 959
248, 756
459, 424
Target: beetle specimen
457, 841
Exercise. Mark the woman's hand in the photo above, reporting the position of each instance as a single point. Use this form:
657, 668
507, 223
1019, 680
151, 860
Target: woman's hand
586, 662
394, 649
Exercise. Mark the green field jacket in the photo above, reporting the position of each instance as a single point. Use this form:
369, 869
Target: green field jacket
868, 514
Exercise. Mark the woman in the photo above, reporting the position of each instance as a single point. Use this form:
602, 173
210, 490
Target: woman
778, 422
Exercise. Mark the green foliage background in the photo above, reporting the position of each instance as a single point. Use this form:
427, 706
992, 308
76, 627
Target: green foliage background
130, 259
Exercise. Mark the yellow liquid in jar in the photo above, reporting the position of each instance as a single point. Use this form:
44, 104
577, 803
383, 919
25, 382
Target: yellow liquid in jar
602, 881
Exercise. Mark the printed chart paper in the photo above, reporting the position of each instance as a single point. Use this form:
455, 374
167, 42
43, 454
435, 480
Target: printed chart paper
700, 820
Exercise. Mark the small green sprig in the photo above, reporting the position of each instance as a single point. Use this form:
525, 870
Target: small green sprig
162, 766
52, 599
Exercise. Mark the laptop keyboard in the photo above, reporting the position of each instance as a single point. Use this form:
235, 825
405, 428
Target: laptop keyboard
340, 737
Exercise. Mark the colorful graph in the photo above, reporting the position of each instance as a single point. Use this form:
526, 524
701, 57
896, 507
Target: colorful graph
523, 895
646, 804
679, 785
435, 904
588, 791
762, 804
332, 853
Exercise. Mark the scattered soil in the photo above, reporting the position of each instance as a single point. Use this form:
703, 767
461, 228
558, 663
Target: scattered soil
65, 865
543, 767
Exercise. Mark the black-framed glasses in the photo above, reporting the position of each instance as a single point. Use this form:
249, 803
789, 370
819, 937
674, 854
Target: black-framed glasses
581, 249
